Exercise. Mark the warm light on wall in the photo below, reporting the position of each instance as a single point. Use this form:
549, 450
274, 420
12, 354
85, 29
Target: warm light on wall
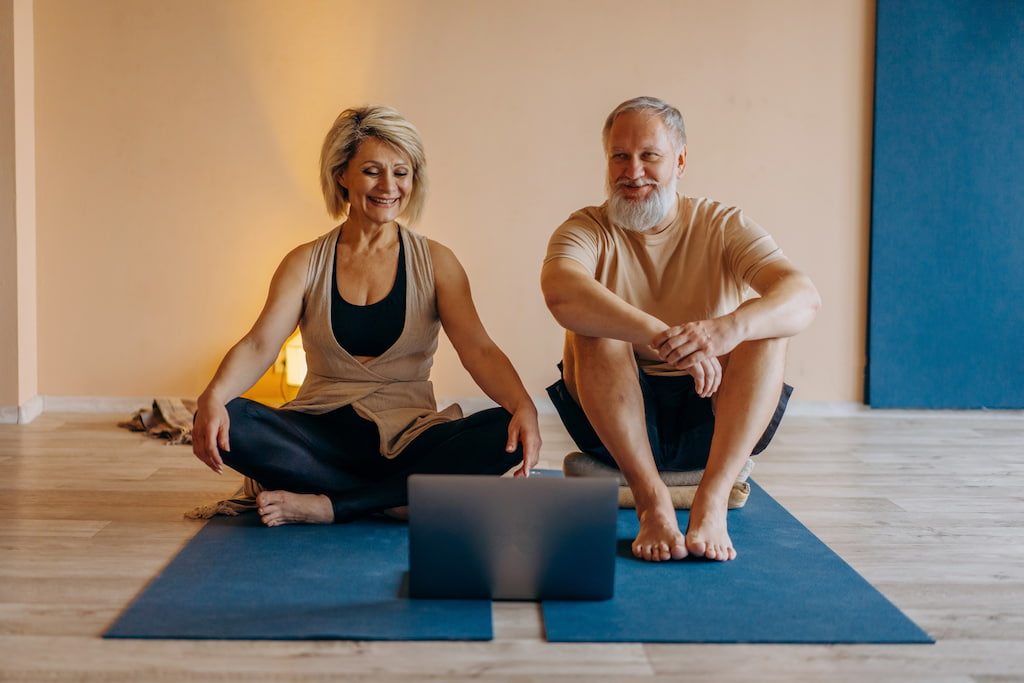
294, 361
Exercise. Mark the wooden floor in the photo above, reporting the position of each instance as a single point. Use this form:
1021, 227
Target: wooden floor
929, 508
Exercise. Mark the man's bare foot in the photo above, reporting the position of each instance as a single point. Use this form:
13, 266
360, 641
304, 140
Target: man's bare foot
284, 507
707, 534
659, 538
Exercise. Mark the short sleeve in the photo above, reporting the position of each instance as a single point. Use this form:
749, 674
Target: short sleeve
748, 247
577, 241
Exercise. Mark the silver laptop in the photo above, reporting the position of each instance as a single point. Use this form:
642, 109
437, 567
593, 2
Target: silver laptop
540, 538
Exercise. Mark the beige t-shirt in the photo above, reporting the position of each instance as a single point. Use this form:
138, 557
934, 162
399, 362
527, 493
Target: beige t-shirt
699, 267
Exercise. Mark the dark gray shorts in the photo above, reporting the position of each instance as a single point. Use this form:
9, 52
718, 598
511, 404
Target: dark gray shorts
679, 422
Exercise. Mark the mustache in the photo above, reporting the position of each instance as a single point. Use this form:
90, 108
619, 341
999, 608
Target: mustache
642, 182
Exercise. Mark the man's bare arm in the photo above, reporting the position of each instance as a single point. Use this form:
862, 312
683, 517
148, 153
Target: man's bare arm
787, 305
583, 305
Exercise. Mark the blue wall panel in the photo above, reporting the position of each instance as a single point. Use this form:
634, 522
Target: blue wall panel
946, 304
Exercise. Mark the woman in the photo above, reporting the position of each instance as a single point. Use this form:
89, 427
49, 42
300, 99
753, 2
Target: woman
369, 298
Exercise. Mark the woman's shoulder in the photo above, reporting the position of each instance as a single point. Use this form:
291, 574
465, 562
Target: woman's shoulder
299, 260
443, 260
299, 257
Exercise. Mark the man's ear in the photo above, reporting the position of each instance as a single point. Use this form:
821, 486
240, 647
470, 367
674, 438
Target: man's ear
682, 162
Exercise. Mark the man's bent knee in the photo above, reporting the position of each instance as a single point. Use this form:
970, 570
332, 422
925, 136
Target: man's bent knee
594, 361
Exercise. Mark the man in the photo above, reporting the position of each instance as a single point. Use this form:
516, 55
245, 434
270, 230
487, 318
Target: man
669, 362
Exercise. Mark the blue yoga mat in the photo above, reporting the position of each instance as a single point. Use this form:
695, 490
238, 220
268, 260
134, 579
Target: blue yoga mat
785, 586
237, 579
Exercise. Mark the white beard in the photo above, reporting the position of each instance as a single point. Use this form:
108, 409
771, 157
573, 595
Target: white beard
643, 214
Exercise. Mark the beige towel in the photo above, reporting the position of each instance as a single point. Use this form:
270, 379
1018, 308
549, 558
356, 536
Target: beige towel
682, 496
244, 501
682, 486
168, 418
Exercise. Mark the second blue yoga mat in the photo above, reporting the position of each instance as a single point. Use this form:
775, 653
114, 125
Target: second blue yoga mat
237, 579
785, 586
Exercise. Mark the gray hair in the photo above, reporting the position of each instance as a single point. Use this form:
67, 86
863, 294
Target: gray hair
668, 114
341, 144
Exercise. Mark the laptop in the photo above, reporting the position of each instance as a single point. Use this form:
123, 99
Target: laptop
538, 538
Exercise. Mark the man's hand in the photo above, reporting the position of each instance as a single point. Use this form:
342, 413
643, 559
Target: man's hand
695, 348
707, 377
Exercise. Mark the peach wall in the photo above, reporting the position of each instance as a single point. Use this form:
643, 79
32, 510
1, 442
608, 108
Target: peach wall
177, 158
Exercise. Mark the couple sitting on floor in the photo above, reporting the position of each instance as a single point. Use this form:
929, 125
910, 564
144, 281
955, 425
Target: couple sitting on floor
669, 364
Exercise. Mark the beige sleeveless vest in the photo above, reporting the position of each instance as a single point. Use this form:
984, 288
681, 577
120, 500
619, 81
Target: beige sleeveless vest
393, 390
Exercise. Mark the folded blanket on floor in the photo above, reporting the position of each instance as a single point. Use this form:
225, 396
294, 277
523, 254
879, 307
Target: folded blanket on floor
168, 418
171, 418
243, 501
682, 486
682, 496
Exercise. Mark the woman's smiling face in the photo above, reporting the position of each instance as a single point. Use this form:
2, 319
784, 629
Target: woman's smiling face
379, 180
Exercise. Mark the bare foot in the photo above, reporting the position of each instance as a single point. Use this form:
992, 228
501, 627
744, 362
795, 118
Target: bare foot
284, 507
659, 538
707, 534
401, 513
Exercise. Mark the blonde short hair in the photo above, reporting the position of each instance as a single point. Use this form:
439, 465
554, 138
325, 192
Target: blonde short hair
342, 143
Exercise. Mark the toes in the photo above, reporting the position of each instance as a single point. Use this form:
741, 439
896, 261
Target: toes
659, 552
644, 551
265, 498
719, 552
697, 548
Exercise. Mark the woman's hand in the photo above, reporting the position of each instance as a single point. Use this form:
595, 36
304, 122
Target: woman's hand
210, 434
524, 429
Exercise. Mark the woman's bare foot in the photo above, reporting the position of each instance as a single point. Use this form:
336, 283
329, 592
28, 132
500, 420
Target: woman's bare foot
284, 507
401, 513
707, 534
659, 538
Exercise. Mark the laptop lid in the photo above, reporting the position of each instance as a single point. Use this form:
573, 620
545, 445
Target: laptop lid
538, 538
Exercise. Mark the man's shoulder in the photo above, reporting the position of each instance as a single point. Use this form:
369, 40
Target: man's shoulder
590, 217
704, 208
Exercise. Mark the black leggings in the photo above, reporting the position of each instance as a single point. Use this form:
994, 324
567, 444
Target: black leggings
338, 454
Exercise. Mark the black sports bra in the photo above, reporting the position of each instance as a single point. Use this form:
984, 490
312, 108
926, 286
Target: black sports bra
372, 329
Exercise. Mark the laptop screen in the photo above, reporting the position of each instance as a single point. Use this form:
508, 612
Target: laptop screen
538, 538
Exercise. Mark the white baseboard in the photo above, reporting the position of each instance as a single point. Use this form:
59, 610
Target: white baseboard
127, 405
826, 409
96, 404
24, 414
71, 404
854, 409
